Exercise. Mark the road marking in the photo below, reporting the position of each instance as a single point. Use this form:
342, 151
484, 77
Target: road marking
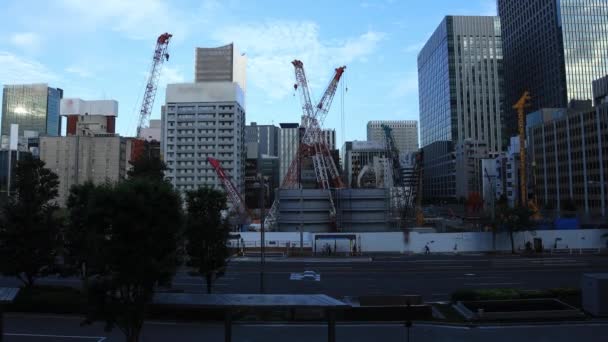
469, 274
97, 338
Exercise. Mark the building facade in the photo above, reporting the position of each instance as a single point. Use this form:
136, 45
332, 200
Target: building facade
34, 107
568, 153
89, 116
506, 166
289, 142
221, 64
405, 133
265, 136
366, 165
469, 172
460, 94
76, 159
600, 91
203, 120
460, 82
152, 132
554, 49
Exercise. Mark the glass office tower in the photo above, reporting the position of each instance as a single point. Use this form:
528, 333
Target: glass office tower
554, 49
34, 107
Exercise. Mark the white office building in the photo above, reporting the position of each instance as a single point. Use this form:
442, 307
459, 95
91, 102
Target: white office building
201, 120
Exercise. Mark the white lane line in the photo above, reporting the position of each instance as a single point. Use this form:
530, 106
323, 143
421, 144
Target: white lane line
97, 338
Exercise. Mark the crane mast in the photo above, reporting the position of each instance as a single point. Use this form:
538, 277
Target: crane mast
160, 56
312, 145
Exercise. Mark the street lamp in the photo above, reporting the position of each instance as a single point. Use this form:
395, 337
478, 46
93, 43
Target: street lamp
262, 206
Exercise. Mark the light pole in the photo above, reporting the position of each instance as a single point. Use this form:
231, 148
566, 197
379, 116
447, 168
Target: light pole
261, 205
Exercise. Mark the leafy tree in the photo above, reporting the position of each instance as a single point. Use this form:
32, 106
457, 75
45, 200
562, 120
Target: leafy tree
514, 220
139, 254
30, 224
147, 165
89, 221
206, 233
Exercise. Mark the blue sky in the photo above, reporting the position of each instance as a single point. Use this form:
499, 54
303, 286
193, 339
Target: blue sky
102, 50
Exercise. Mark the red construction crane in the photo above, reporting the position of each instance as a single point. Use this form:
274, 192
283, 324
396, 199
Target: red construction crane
312, 145
160, 56
233, 194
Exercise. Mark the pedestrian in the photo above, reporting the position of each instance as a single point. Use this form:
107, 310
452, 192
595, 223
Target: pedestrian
427, 250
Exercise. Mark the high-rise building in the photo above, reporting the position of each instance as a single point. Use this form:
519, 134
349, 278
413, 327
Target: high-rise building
201, 120
460, 94
405, 133
265, 136
460, 82
221, 64
289, 142
34, 107
554, 49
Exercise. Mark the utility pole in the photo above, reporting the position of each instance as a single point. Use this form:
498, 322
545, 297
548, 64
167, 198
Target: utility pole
262, 237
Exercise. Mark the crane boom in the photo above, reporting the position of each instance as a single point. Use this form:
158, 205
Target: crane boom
233, 194
160, 56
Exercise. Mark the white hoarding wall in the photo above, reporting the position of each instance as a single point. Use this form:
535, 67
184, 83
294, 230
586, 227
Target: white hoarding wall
397, 242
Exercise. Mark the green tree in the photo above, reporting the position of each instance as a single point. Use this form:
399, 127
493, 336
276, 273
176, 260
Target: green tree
140, 253
147, 165
206, 233
89, 222
515, 220
30, 224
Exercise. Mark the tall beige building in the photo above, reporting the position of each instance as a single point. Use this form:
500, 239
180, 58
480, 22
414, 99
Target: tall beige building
221, 64
78, 159
90, 154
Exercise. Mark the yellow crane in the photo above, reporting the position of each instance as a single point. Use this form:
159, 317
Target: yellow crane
520, 106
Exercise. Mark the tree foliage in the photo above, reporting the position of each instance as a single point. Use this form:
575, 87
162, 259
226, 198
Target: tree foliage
514, 220
89, 222
30, 224
138, 251
147, 165
206, 233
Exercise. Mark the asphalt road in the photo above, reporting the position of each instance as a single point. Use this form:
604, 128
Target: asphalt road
37, 328
434, 277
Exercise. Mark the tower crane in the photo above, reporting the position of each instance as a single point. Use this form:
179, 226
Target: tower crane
160, 56
312, 143
520, 106
234, 196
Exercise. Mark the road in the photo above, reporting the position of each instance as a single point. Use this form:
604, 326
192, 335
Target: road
37, 328
434, 277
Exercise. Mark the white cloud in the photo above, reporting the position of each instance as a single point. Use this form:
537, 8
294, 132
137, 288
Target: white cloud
80, 71
138, 19
17, 70
170, 74
407, 84
26, 40
271, 46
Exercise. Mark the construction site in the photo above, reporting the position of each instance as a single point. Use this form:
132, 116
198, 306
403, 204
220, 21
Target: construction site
313, 195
